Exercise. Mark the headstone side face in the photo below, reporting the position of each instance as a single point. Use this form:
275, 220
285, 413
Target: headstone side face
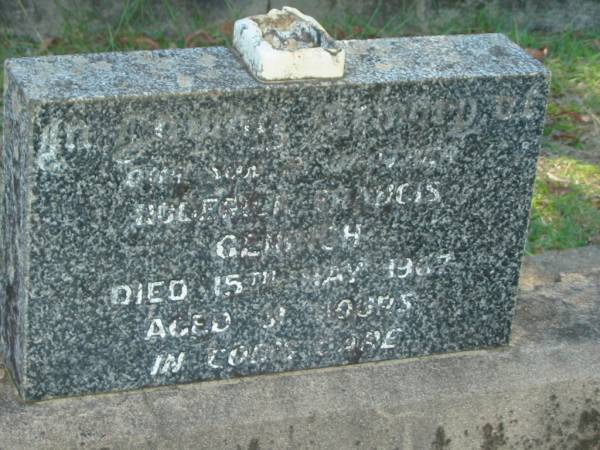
15, 160
2, 227
239, 231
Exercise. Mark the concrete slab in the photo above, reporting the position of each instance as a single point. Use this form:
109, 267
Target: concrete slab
543, 391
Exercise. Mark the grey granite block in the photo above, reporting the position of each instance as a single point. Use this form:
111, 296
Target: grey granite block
167, 218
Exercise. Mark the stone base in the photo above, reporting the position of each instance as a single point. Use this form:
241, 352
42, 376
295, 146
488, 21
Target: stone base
541, 392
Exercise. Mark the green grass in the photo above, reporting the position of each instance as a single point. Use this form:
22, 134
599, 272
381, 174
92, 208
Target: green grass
566, 207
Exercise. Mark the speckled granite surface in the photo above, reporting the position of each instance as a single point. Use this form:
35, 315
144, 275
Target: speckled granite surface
169, 219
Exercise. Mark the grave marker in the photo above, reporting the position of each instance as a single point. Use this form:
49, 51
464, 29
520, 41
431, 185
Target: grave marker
168, 218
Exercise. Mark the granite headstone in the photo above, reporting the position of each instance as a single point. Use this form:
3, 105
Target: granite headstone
167, 218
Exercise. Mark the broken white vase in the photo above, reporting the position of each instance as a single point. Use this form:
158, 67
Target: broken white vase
287, 45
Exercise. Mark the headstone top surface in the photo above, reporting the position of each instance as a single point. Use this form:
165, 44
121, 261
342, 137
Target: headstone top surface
202, 70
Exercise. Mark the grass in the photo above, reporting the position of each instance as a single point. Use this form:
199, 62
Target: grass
566, 206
